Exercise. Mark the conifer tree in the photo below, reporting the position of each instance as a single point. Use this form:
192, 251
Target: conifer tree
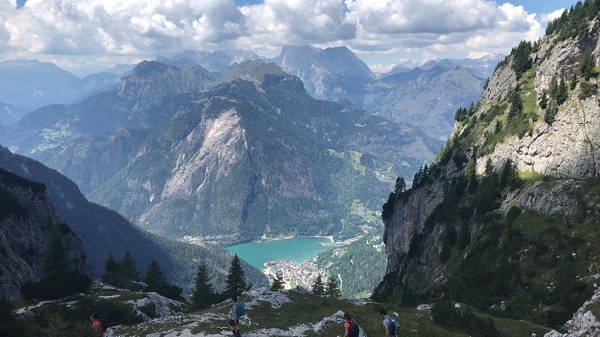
544, 100
588, 63
400, 186
236, 280
60, 277
333, 289
471, 173
128, 267
516, 104
277, 282
203, 295
563, 93
111, 270
318, 287
56, 262
155, 278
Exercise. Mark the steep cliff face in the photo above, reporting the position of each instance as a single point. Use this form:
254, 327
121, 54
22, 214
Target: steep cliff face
568, 147
26, 215
511, 201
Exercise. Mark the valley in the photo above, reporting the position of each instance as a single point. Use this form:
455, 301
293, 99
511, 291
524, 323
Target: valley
460, 195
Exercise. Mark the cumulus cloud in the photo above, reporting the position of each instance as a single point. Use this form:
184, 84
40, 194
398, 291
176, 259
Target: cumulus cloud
300, 21
122, 27
105, 29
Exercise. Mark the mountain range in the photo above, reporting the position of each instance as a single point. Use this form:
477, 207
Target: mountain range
497, 236
255, 132
331, 74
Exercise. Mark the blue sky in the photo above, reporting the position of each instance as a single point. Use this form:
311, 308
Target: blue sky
86, 35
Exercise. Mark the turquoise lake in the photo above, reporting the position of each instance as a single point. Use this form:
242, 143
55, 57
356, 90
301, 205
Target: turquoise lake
297, 250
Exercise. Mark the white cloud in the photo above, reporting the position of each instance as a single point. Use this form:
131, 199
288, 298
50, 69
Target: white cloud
104, 30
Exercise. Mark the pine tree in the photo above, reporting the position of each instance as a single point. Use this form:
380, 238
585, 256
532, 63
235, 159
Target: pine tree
471, 173
563, 93
56, 262
203, 295
111, 270
544, 100
277, 282
318, 287
516, 104
128, 267
236, 281
588, 64
333, 289
155, 278
400, 186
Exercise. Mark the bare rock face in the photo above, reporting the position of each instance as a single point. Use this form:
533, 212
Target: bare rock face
583, 323
26, 215
569, 146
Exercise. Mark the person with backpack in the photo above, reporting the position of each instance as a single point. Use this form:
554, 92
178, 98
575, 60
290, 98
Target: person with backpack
237, 311
351, 328
390, 324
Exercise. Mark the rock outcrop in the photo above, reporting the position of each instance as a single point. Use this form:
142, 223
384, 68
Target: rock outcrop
26, 214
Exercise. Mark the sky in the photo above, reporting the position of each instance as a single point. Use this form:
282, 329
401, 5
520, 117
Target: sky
84, 36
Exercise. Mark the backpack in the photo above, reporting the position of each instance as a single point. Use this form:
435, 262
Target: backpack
354, 329
394, 326
105, 324
240, 309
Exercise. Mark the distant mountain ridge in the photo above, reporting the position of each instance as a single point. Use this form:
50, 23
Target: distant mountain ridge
428, 101
331, 74
31, 84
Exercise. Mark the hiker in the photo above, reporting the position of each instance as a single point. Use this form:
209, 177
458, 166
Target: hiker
389, 324
97, 324
236, 312
351, 328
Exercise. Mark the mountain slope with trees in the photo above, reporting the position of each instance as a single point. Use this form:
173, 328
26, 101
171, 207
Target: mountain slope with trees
505, 219
104, 232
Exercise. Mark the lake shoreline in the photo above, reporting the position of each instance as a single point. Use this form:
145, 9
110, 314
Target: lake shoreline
296, 249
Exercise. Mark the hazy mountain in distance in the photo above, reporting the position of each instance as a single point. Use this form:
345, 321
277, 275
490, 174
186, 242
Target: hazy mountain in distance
31, 84
329, 74
484, 65
9, 114
427, 98
134, 103
217, 61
